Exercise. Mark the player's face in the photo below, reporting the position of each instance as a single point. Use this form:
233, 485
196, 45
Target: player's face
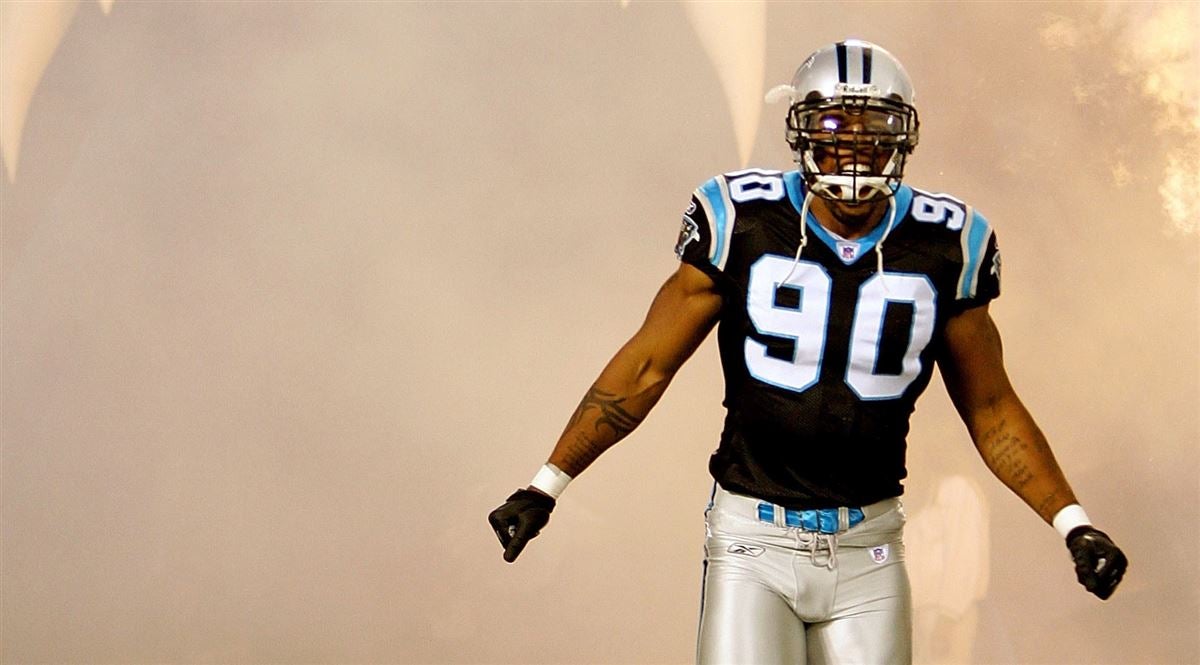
849, 141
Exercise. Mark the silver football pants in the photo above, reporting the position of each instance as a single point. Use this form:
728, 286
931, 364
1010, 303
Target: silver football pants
780, 594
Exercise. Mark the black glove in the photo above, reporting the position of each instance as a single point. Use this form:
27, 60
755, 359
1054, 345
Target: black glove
520, 519
1099, 563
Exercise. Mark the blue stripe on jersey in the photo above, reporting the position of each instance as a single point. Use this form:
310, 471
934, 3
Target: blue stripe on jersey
976, 246
902, 200
795, 189
712, 191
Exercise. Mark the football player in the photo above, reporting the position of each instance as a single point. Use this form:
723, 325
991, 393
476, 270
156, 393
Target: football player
836, 288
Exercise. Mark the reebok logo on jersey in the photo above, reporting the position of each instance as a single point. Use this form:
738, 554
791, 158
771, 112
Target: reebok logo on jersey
879, 554
746, 550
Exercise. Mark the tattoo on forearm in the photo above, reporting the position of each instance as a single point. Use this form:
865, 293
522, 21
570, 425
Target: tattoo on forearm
612, 414
580, 452
1044, 506
587, 446
1024, 463
1006, 453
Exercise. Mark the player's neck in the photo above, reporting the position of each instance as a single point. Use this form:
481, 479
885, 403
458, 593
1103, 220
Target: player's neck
849, 221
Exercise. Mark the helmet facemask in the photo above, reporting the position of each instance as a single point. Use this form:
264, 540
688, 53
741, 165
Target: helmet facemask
851, 148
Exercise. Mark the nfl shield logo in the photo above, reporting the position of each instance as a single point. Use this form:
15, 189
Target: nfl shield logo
879, 554
847, 251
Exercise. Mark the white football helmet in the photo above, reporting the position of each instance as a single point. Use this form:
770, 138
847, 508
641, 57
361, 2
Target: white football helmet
851, 121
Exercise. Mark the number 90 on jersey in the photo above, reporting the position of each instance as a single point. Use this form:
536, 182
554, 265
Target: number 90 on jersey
807, 324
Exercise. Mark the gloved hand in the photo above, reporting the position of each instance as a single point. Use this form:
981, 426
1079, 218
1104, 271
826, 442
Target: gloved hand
1099, 563
519, 519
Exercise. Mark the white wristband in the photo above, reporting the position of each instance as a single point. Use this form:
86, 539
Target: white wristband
1070, 517
551, 480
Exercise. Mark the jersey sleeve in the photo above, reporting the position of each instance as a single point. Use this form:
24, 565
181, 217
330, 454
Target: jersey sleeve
704, 232
979, 279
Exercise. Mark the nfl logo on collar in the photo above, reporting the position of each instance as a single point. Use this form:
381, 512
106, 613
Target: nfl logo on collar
847, 251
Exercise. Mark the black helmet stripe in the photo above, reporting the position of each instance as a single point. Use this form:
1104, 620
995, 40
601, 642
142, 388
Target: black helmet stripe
854, 67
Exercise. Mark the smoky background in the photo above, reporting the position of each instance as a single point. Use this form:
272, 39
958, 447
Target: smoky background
295, 293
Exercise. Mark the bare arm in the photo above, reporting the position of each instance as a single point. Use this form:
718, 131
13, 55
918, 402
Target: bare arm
1014, 448
1004, 432
681, 316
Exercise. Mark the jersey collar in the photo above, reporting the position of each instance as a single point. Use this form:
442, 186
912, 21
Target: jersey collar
795, 192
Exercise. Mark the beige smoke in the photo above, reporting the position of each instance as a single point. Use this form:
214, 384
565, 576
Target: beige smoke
1163, 48
29, 34
947, 544
294, 293
1158, 48
734, 36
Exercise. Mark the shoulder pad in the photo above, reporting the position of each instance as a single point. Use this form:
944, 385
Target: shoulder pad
979, 256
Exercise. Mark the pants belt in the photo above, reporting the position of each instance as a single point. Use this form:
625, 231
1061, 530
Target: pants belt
820, 520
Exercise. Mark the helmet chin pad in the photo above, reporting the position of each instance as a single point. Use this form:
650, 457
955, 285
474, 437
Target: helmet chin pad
850, 187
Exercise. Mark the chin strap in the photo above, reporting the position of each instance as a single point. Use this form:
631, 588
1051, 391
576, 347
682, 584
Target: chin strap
803, 235
887, 230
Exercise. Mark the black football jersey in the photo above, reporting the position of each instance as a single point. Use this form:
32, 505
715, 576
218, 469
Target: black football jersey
824, 355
